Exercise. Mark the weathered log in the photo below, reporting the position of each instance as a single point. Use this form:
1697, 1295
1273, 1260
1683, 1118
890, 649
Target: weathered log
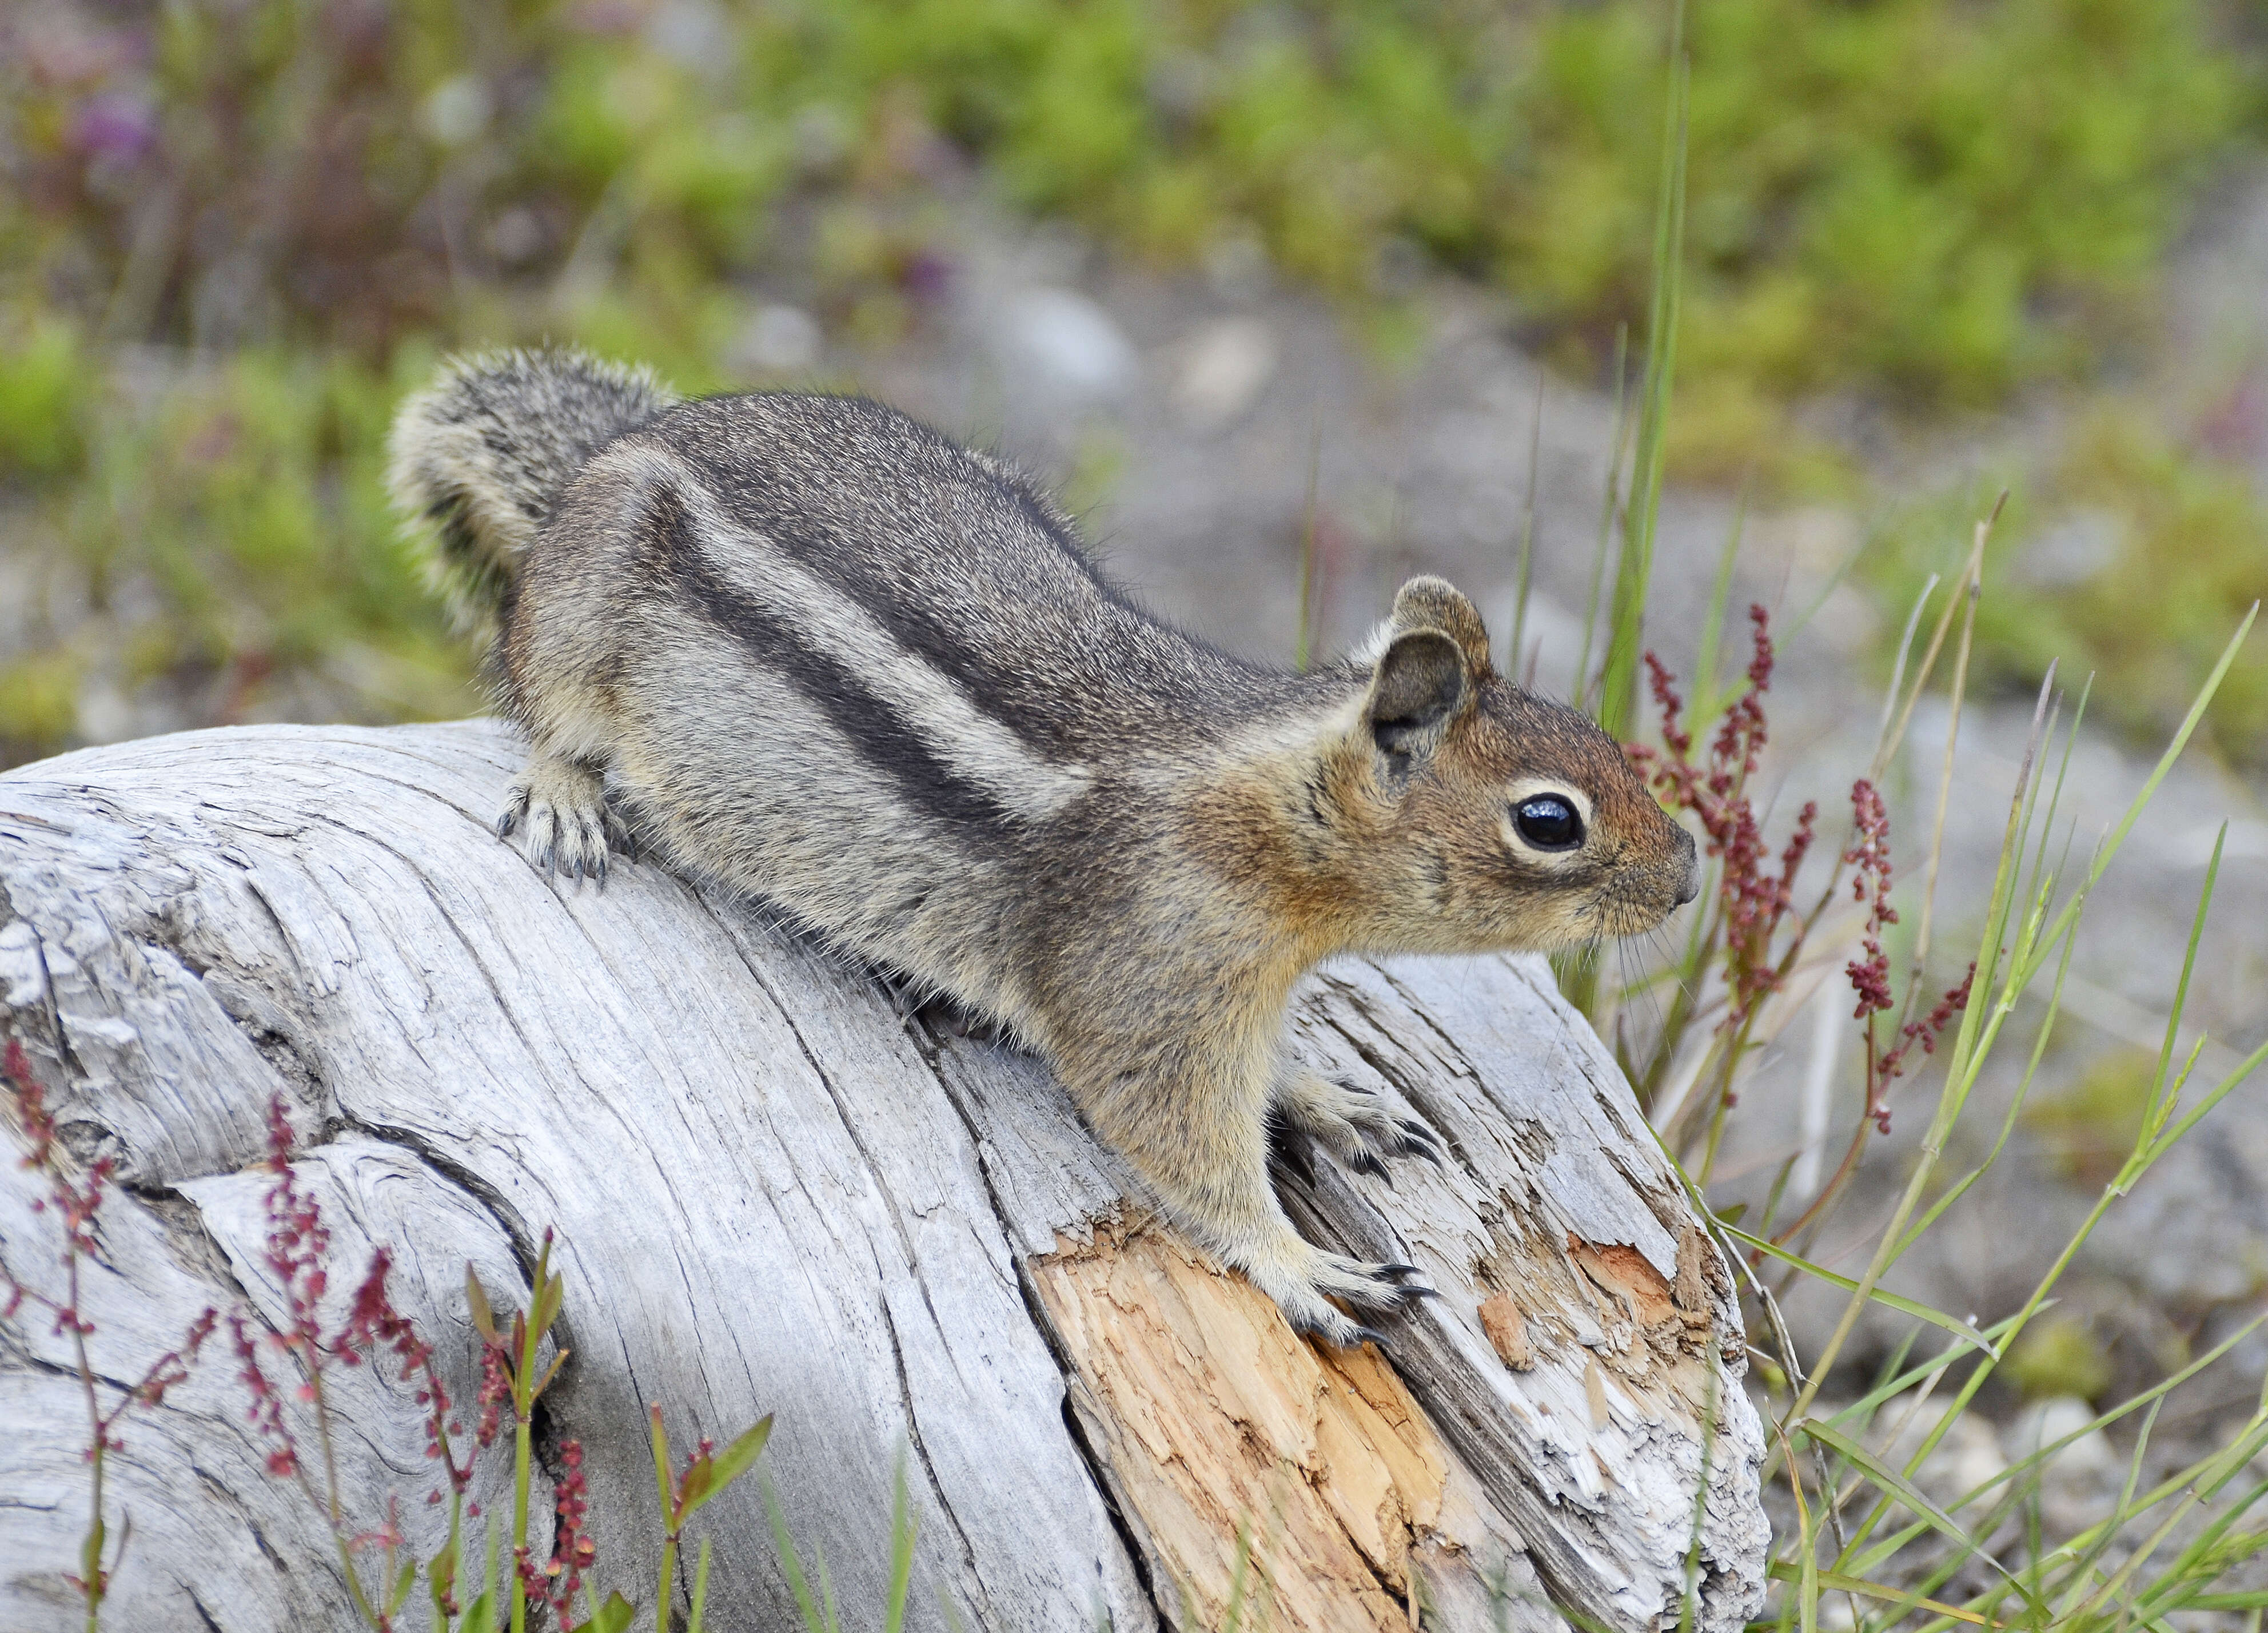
773, 1193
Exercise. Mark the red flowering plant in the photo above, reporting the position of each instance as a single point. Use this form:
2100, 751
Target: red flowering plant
74, 1196
289, 1368
297, 1249
684, 1491
1750, 940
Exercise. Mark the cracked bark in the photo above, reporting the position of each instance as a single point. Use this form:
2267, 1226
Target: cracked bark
775, 1194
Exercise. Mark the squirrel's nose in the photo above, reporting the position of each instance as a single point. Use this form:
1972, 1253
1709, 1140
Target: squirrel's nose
1691, 887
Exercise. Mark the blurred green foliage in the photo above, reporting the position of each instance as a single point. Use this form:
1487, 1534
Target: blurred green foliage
2127, 556
2059, 1357
1944, 197
1926, 200
2090, 1127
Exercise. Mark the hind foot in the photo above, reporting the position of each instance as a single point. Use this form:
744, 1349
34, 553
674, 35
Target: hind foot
559, 813
1302, 1279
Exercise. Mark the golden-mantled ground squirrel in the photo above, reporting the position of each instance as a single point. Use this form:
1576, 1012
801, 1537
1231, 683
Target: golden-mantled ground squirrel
813, 650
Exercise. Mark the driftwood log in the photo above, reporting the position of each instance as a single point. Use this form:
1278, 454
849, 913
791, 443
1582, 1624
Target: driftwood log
774, 1193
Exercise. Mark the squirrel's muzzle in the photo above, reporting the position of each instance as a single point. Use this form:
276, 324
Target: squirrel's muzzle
1691, 887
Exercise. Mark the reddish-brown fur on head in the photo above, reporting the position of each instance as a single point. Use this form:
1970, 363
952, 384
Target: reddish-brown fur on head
1432, 779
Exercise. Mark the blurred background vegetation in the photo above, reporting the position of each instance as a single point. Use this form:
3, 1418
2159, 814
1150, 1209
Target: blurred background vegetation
233, 231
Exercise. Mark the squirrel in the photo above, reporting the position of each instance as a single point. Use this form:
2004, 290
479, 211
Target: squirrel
809, 649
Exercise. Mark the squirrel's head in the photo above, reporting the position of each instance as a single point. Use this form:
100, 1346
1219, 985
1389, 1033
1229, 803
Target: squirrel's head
1490, 818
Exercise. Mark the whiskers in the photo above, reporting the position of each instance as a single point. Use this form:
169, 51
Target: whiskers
1646, 963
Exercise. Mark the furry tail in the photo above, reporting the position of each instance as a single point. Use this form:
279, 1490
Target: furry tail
477, 457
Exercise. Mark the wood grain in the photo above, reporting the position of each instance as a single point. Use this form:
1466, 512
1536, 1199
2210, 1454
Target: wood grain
775, 1194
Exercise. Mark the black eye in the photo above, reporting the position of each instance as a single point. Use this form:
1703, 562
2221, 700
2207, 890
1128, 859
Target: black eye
1549, 822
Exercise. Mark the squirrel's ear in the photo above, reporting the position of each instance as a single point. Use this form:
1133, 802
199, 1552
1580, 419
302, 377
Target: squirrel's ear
1430, 603
1417, 690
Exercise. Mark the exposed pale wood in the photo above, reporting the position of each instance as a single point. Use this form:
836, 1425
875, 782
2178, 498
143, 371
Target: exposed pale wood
774, 1194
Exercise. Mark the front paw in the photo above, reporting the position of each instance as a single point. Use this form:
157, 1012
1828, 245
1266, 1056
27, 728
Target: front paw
1354, 1123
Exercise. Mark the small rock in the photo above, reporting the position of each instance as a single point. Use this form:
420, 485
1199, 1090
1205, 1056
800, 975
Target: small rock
2079, 1485
2071, 550
1064, 343
2091, 1455
1964, 1457
456, 110
693, 33
105, 713
779, 340
1224, 368
1835, 1612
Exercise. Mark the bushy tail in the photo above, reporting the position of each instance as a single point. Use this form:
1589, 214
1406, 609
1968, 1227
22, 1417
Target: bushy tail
478, 458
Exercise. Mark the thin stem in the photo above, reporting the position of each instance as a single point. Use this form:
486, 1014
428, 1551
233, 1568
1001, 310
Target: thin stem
1610, 508
331, 1487
1527, 537
1618, 684
523, 1455
90, 1554
1953, 699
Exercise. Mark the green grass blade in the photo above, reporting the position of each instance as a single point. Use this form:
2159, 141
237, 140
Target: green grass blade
1898, 675
1709, 696
1578, 687
1618, 689
1903, 1306
1897, 1485
902, 1550
1783, 1570
2116, 837
1959, 1188
700, 1590
2055, 796
2243, 1069
2161, 1092
1895, 1382
1526, 568
791, 1562
658, 1441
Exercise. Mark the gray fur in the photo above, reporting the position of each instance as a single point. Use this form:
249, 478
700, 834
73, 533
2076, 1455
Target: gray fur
817, 653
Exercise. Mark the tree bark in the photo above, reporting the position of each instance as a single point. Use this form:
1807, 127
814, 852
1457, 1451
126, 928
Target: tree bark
773, 1193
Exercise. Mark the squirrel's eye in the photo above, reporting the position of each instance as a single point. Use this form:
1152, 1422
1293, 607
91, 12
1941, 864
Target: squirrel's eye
1549, 822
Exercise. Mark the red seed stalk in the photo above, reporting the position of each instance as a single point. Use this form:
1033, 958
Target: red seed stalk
76, 1201
1755, 896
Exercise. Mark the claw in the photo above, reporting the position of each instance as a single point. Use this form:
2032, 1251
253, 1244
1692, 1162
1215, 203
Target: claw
1367, 1162
1398, 1272
1417, 1140
1365, 1089
1371, 1336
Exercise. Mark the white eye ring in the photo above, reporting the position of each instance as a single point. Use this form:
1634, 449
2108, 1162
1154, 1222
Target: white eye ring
1526, 788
